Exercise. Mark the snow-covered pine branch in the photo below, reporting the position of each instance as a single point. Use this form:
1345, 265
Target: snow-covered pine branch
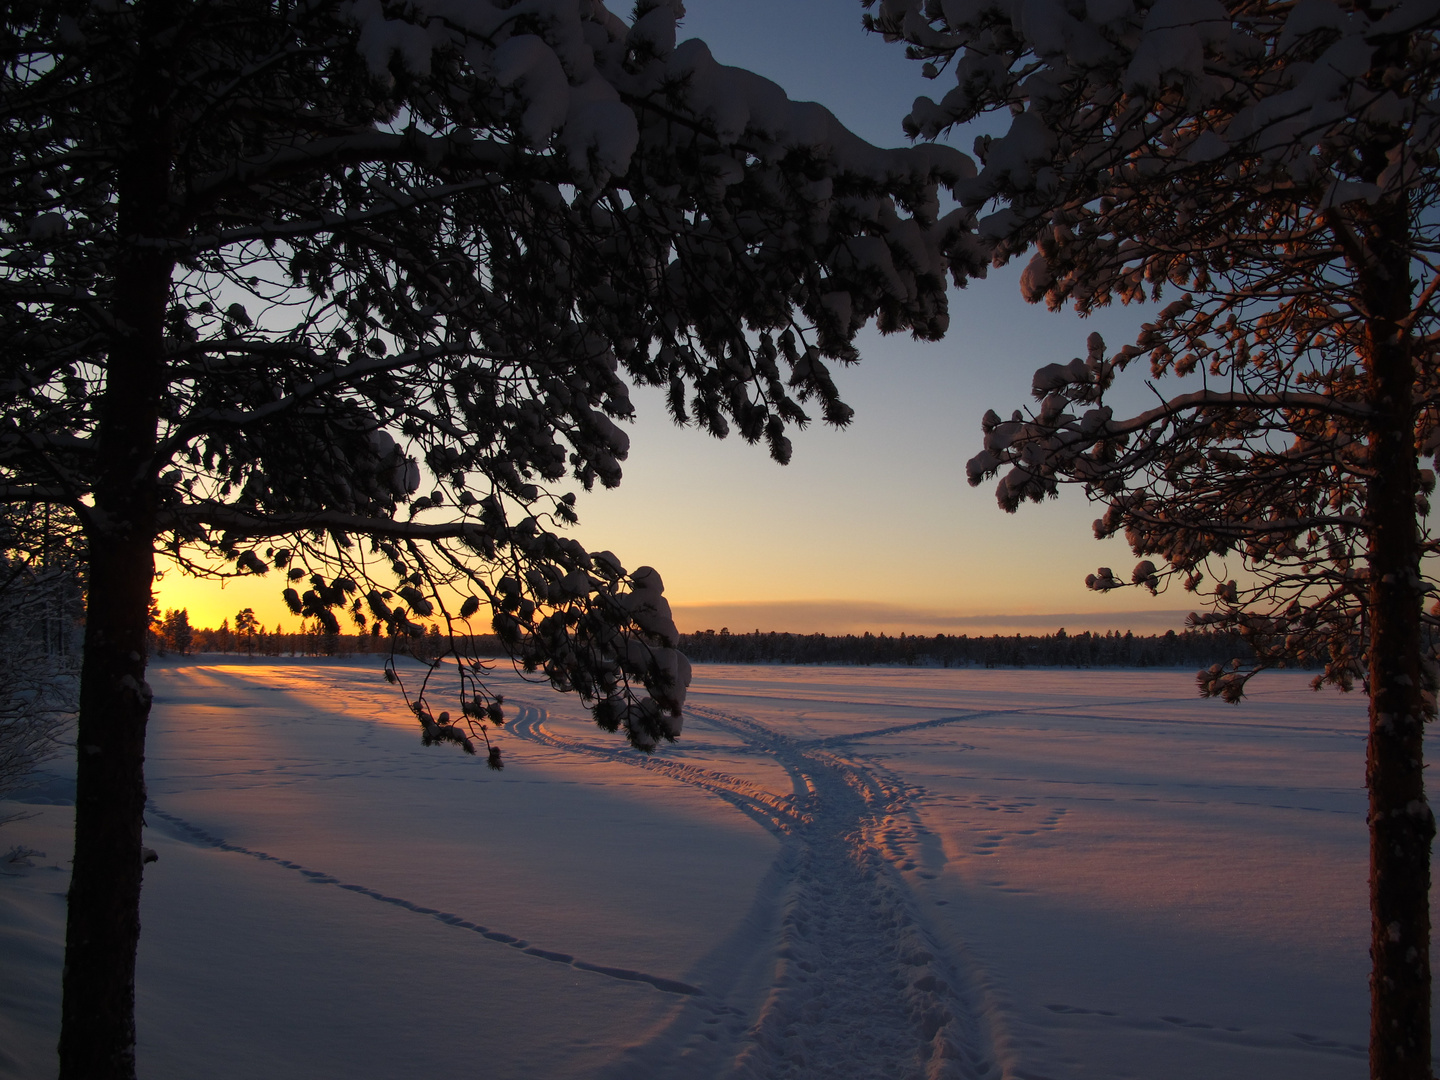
1274, 165
352, 293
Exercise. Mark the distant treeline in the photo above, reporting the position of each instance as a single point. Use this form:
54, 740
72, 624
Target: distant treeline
1192, 648
175, 635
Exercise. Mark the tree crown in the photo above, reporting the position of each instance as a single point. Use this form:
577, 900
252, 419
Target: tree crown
1272, 168
394, 246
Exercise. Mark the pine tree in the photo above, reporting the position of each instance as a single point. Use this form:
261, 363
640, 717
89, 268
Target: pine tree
268, 267
39, 615
246, 627
176, 632
1272, 167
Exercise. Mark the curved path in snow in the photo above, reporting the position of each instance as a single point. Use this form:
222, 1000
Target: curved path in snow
858, 987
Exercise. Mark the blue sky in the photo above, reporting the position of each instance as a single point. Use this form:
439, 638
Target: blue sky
873, 526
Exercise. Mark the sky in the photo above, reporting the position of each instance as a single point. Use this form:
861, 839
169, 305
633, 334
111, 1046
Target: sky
873, 527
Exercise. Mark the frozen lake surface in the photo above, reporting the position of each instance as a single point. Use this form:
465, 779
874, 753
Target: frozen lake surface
837, 872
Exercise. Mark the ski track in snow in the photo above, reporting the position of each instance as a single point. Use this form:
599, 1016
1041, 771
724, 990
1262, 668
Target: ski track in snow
860, 988
184, 830
1076, 1017
858, 984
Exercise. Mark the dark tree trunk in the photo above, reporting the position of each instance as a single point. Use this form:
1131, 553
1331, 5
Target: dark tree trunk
97, 1035
1400, 819
97, 1039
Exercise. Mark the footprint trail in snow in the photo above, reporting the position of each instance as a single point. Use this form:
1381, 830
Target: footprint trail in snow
187, 831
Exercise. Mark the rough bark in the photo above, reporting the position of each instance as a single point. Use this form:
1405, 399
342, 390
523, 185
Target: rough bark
1401, 823
97, 1037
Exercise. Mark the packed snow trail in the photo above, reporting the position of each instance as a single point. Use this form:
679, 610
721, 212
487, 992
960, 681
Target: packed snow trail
859, 988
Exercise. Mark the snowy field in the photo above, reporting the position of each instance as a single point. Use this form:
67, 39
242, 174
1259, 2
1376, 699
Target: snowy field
838, 872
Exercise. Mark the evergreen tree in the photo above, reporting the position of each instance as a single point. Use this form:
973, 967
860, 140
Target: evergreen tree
246, 627
176, 632
267, 268
39, 619
1272, 166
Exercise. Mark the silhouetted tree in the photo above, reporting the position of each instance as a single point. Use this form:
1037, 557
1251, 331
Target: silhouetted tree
176, 633
1272, 165
269, 269
246, 627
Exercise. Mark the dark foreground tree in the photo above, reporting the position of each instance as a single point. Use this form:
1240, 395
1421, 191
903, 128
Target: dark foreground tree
267, 265
1272, 165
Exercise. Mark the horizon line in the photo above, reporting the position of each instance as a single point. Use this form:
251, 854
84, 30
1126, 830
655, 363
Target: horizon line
844, 616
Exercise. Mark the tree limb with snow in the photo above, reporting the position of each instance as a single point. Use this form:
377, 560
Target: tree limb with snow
1273, 168
266, 267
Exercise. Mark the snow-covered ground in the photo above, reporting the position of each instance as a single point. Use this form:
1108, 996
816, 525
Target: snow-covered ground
838, 872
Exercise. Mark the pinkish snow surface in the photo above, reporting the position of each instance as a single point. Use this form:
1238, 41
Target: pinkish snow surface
837, 872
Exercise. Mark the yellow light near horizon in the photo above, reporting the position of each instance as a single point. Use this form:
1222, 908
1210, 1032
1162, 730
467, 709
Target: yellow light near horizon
209, 601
